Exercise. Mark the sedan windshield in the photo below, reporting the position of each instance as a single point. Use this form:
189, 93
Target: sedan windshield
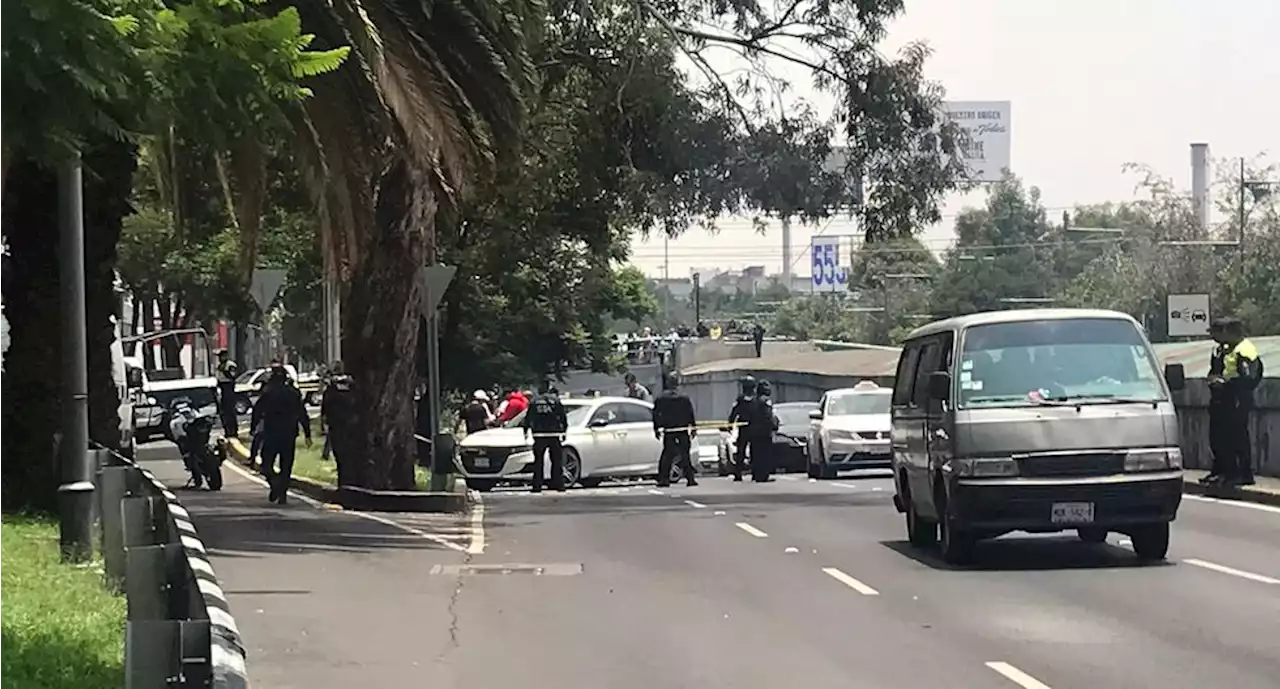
1065, 360
575, 412
859, 403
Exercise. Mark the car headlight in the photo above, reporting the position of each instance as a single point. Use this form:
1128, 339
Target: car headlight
840, 435
986, 467
1153, 460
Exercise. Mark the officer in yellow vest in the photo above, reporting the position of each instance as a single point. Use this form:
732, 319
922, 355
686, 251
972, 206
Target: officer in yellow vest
1235, 370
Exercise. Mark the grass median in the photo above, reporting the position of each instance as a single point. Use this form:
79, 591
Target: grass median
61, 628
307, 463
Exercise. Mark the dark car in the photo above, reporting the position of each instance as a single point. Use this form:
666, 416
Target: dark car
790, 442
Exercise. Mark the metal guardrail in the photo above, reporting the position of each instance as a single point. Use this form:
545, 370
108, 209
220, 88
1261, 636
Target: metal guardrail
179, 630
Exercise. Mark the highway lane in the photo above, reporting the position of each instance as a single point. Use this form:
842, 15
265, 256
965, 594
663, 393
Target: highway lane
739, 585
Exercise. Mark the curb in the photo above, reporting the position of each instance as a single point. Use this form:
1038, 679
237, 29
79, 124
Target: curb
350, 497
1244, 494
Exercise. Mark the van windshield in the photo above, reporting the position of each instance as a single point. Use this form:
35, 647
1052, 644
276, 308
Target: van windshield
1079, 359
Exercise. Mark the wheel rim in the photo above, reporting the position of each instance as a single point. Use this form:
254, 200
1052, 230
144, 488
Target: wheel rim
677, 473
571, 470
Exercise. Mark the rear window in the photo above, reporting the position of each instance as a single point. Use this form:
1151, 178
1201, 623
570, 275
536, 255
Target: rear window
1068, 359
791, 416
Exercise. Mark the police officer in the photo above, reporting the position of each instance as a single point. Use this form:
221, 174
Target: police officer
1235, 370
547, 422
761, 423
338, 414
226, 374
282, 413
674, 422
738, 419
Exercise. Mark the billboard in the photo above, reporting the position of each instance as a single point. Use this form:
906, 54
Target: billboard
984, 137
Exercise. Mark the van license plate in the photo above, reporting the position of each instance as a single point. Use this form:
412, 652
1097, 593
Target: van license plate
482, 462
1072, 513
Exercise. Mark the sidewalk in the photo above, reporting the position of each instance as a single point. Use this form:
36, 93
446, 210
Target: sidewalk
323, 599
1265, 491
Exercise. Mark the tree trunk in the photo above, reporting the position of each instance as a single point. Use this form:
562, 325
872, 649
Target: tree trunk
33, 363
380, 330
108, 181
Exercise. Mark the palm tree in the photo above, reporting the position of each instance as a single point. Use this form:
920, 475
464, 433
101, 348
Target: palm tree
430, 97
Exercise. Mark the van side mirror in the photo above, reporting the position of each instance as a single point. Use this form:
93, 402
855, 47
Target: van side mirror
133, 377
1176, 376
940, 385
815, 415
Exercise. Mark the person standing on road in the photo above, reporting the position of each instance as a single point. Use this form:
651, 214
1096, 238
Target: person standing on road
635, 390
1235, 370
675, 424
281, 413
338, 417
547, 423
326, 380
226, 374
737, 420
476, 415
761, 423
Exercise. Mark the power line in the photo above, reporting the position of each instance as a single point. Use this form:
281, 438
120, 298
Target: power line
718, 253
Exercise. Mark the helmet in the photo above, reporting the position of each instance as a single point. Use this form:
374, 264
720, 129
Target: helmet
480, 395
748, 384
762, 388
669, 381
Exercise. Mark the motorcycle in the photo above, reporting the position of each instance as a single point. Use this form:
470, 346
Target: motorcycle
191, 430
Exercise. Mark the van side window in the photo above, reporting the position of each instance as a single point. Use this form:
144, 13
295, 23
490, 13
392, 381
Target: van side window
906, 374
940, 359
928, 363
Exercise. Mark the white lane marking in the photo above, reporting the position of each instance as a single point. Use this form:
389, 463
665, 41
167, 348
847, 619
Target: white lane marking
694, 503
1235, 503
850, 581
751, 530
477, 525
363, 515
1017, 676
844, 485
788, 478
1260, 578
656, 492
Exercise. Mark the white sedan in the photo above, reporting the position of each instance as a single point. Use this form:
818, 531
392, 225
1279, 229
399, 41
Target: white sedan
850, 430
608, 437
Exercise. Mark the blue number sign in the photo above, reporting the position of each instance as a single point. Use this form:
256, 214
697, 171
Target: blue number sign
826, 263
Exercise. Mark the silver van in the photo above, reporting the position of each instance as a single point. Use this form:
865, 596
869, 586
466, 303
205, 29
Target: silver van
1035, 420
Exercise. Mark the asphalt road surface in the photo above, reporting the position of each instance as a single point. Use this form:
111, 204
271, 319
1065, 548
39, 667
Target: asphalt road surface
797, 584
810, 584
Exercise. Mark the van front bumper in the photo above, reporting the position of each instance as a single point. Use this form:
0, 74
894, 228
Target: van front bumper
1027, 504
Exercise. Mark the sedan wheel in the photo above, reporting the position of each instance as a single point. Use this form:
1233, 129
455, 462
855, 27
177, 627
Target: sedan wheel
572, 468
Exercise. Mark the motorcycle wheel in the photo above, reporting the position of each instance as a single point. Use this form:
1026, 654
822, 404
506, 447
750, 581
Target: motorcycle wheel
213, 471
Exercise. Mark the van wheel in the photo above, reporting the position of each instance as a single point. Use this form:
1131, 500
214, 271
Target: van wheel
921, 531
1092, 535
1151, 542
957, 544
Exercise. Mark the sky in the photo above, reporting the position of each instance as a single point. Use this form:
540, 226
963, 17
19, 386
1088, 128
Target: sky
1094, 84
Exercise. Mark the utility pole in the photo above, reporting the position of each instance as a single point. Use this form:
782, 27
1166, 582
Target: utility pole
697, 300
75, 491
1243, 185
666, 280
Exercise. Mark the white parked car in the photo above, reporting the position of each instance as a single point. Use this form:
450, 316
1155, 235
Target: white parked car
850, 430
608, 437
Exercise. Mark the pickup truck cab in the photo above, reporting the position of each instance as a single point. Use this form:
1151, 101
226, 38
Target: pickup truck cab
1036, 420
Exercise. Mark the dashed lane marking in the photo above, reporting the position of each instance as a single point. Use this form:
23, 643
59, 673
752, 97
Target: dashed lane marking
695, 503
751, 530
656, 492
1016, 676
477, 525
1260, 578
1234, 503
849, 581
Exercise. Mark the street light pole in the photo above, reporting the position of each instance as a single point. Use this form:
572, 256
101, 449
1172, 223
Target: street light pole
75, 491
1243, 219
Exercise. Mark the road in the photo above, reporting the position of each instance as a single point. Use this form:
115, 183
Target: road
733, 585
810, 583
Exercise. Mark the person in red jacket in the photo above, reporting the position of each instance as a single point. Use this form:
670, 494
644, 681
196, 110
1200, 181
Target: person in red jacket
510, 408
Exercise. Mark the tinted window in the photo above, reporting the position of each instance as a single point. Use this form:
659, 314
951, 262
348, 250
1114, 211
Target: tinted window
611, 412
906, 374
634, 413
1075, 359
928, 364
858, 403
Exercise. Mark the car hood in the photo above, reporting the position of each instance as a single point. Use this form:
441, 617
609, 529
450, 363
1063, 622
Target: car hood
858, 422
795, 430
495, 438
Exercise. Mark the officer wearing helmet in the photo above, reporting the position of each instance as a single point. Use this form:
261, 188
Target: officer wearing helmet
226, 374
761, 424
674, 423
547, 422
739, 416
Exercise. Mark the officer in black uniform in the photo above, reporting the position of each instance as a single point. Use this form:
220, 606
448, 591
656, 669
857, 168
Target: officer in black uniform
282, 413
226, 375
1235, 370
741, 407
547, 422
761, 423
674, 423
337, 409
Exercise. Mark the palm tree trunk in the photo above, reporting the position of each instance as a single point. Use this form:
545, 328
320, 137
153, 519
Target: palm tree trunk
380, 330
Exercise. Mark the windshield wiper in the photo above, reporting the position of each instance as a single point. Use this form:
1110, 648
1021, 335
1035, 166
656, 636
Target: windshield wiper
1100, 399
